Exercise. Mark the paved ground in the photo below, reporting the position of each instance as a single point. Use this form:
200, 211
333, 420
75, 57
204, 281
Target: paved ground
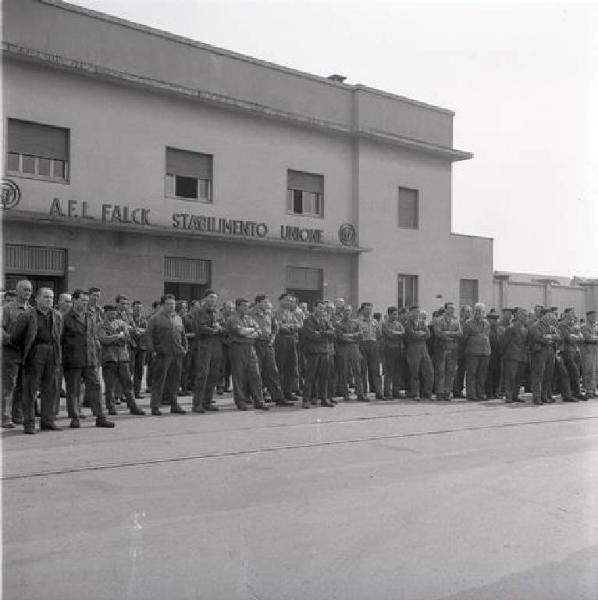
397, 500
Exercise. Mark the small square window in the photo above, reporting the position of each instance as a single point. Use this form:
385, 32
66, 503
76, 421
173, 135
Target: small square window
44, 167
13, 161
28, 164
59, 169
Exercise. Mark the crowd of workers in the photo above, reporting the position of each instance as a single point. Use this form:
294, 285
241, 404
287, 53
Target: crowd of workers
279, 356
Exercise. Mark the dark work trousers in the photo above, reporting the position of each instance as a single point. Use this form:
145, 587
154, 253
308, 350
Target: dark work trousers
299, 376
73, 379
225, 370
247, 382
149, 373
445, 368
137, 364
114, 372
166, 379
40, 373
512, 375
493, 375
370, 366
10, 373
476, 367
268, 369
349, 360
420, 364
589, 359
573, 365
316, 376
17, 397
542, 368
187, 372
285, 347
208, 358
331, 381
459, 381
561, 375
393, 372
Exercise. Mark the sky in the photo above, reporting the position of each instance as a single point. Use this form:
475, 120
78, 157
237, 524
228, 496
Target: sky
522, 79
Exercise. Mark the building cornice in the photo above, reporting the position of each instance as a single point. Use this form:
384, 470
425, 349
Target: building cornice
94, 14
164, 231
63, 63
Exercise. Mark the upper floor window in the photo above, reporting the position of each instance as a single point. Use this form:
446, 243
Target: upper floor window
188, 175
408, 208
305, 194
38, 151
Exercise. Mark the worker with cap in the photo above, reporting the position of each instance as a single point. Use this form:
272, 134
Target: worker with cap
589, 354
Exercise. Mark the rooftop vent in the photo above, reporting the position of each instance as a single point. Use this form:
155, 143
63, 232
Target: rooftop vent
336, 77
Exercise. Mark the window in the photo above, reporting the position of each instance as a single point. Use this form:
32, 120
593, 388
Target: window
408, 208
468, 291
407, 295
305, 194
38, 151
188, 175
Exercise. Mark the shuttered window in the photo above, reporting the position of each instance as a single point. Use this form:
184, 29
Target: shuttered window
304, 278
408, 208
186, 270
37, 150
188, 175
305, 193
468, 291
34, 260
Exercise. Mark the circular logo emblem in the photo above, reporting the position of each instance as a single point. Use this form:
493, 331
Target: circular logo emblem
347, 234
11, 194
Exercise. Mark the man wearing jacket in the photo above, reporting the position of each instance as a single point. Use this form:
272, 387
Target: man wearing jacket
208, 334
418, 359
316, 333
370, 350
514, 352
447, 332
570, 354
167, 343
264, 347
138, 347
37, 333
476, 337
114, 337
12, 368
393, 335
589, 354
80, 345
348, 334
543, 340
243, 330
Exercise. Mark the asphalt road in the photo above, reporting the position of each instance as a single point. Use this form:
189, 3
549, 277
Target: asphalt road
398, 500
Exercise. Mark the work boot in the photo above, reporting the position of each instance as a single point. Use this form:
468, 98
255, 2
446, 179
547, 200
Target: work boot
135, 410
283, 402
305, 404
242, 406
75, 424
261, 406
156, 412
211, 408
326, 404
178, 409
29, 428
49, 426
104, 422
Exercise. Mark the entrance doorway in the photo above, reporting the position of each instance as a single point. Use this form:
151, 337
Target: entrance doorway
309, 296
185, 291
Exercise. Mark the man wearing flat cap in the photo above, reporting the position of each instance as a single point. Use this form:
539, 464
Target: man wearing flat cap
589, 354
